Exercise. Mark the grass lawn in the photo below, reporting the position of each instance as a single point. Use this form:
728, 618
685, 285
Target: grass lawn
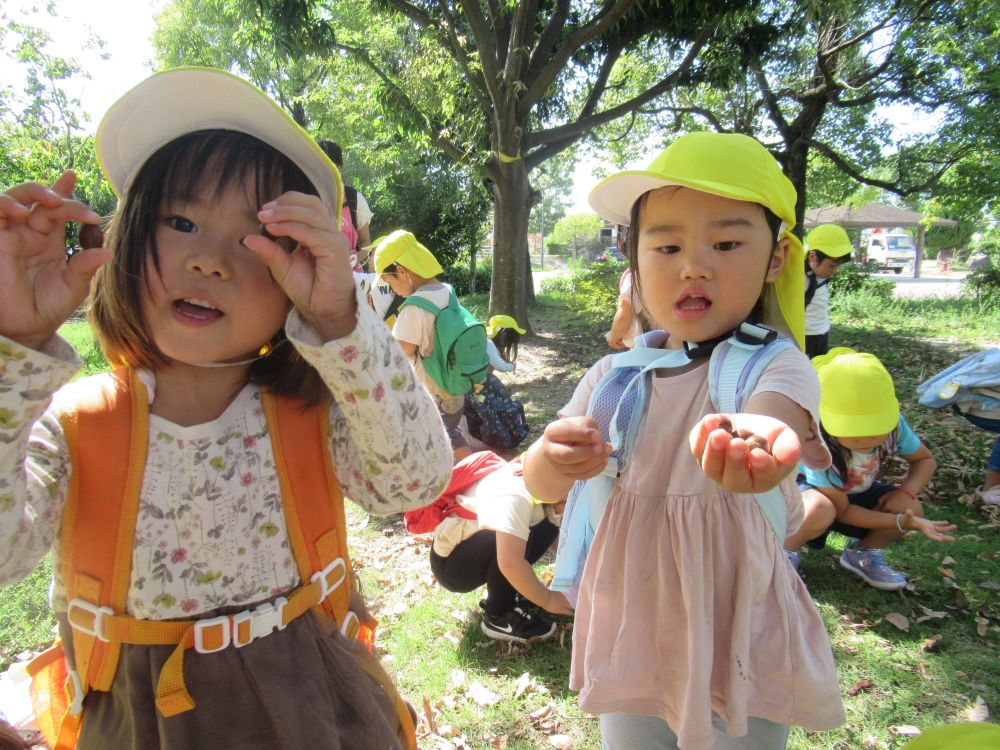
906, 661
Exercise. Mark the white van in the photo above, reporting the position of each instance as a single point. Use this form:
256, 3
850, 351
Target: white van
894, 251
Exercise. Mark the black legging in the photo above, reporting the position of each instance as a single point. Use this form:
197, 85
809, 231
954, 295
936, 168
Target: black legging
474, 562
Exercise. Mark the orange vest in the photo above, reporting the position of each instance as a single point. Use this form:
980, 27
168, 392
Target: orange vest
107, 416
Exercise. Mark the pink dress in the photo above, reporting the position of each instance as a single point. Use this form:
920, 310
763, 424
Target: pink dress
687, 604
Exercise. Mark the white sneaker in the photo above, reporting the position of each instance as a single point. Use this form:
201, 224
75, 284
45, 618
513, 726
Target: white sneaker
990, 496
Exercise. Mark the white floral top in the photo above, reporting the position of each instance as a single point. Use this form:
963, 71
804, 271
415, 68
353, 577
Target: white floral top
210, 531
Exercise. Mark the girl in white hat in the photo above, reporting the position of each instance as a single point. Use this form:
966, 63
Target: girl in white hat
225, 296
692, 631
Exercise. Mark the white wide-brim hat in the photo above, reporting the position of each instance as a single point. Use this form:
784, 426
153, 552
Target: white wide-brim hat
175, 102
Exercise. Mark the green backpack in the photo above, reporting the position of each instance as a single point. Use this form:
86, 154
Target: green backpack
460, 359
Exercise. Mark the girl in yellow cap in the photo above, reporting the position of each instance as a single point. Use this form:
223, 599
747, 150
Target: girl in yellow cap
692, 631
829, 248
861, 423
503, 337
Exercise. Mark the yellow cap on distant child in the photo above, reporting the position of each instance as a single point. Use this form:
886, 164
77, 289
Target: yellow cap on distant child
497, 322
403, 248
730, 165
830, 240
857, 398
966, 736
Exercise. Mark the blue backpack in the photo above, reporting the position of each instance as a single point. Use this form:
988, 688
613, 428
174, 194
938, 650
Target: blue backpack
618, 403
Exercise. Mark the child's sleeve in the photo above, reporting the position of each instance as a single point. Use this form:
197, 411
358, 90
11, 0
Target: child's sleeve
34, 464
792, 375
390, 450
907, 442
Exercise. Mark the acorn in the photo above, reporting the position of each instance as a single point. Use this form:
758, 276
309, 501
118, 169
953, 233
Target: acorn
90, 236
725, 424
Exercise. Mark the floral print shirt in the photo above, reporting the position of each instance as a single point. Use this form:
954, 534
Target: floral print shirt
211, 531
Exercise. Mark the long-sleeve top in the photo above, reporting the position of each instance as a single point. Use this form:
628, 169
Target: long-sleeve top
211, 531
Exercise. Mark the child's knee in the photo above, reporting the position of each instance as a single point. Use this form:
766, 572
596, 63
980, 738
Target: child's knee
900, 502
819, 509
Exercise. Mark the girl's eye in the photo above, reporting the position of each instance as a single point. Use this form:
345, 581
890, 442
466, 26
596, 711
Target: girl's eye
668, 249
180, 224
726, 246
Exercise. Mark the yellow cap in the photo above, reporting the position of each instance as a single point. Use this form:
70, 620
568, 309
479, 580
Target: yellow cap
857, 398
403, 248
958, 737
830, 240
733, 166
502, 321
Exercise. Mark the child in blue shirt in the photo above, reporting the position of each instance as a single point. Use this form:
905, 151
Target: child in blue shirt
862, 426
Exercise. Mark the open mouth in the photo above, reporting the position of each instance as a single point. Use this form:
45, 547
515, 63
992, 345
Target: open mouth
692, 304
197, 309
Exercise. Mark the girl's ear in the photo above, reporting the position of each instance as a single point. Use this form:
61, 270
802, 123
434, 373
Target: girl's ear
778, 259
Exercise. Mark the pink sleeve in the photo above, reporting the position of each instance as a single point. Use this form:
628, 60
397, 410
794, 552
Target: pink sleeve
792, 375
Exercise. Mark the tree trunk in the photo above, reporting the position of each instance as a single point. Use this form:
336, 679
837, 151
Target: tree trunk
795, 170
472, 271
509, 293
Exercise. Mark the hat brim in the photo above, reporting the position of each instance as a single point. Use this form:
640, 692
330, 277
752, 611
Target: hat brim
175, 102
860, 425
614, 196
836, 251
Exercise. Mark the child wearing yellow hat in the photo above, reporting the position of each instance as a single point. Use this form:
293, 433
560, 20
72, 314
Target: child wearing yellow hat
861, 423
412, 270
829, 248
503, 337
691, 629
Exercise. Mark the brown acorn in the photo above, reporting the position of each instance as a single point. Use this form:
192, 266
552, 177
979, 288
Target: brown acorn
756, 441
90, 236
725, 424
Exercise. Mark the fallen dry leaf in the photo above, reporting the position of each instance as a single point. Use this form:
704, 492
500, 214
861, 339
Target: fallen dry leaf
899, 621
932, 644
482, 694
905, 730
948, 560
947, 572
523, 683
991, 585
561, 742
982, 624
978, 711
861, 686
986, 556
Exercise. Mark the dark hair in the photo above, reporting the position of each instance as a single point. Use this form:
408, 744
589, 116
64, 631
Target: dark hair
821, 256
506, 341
207, 160
632, 246
333, 150
840, 454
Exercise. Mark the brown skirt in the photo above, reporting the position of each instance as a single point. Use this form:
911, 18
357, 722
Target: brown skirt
301, 687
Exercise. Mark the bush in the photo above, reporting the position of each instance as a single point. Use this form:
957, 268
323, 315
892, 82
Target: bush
853, 278
983, 285
458, 276
593, 289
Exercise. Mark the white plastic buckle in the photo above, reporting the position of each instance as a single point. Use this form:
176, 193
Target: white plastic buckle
350, 622
98, 613
76, 706
199, 634
323, 578
263, 620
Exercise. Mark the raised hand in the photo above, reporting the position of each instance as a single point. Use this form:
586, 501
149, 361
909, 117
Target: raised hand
42, 289
761, 454
573, 448
933, 530
317, 275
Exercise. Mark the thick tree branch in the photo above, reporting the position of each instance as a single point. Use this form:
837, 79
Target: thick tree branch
770, 101
479, 28
893, 187
583, 124
608, 16
517, 53
547, 39
478, 86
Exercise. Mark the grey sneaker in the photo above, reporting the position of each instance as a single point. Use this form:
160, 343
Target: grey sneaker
868, 564
793, 558
518, 626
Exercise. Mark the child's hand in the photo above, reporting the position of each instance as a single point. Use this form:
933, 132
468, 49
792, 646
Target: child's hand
573, 448
933, 530
764, 453
557, 603
317, 275
40, 288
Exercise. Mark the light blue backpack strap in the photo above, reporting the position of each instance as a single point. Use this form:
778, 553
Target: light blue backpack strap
733, 371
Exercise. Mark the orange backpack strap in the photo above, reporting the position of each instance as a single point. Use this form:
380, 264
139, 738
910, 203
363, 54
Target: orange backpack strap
105, 420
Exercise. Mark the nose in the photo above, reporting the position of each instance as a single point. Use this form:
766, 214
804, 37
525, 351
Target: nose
213, 257
695, 264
